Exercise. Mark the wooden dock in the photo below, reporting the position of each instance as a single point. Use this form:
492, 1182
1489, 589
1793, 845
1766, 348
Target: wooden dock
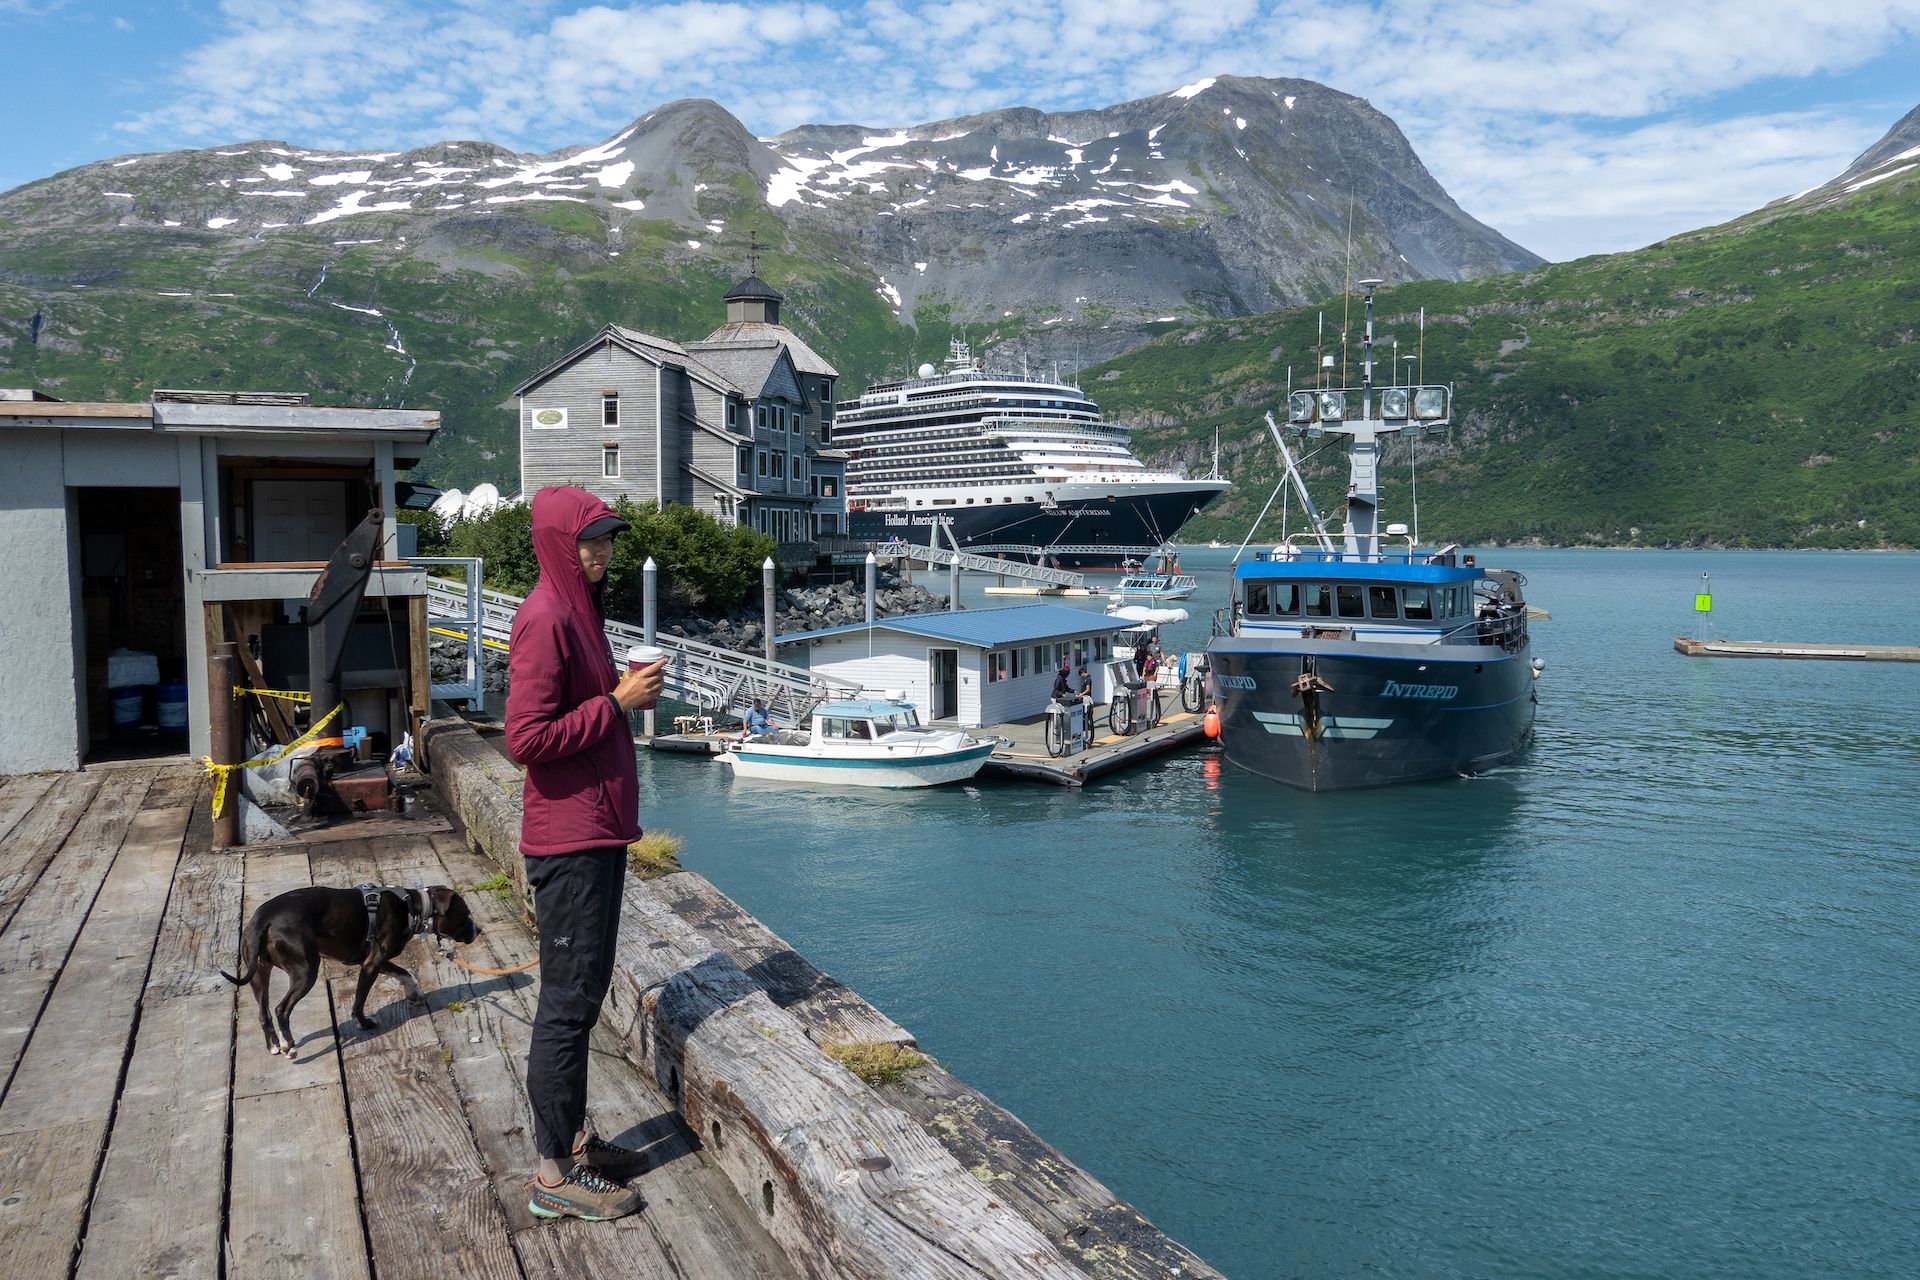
1027, 758
144, 1130
1769, 649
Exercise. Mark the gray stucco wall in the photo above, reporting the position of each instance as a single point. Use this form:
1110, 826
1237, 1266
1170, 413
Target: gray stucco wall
39, 693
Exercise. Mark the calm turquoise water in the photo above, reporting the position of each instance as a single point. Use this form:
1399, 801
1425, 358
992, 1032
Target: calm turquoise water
1642, 1004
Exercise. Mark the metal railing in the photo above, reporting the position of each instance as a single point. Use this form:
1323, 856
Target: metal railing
460, 617
706, 675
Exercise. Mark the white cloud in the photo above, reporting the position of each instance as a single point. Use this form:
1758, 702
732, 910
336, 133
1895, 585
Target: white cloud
1546, 120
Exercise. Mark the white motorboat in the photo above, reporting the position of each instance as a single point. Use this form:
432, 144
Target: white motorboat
1148, 588
863, 743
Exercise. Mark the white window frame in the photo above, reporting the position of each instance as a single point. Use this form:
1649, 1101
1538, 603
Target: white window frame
609, 462
609, 402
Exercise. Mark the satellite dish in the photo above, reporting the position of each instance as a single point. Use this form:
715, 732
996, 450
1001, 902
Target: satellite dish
926, 371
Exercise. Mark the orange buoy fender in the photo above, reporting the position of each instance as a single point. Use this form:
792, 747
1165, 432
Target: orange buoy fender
1211, 725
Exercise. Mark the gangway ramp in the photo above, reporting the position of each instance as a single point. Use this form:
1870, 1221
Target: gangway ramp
968, 560
705, 675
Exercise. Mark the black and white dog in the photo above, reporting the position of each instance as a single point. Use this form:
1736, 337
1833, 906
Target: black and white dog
368, 926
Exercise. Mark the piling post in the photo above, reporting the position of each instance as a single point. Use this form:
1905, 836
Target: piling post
649, 623
766, 588
226, 740
953, 585
873, 585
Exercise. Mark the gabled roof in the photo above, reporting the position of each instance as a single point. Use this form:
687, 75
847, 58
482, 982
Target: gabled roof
646, 346
804, 357
986, 628
749, 367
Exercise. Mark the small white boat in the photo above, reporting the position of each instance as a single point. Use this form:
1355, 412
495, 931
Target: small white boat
865, 743
1148, 588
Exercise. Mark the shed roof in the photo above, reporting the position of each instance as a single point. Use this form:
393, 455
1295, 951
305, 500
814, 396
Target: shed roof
986, 628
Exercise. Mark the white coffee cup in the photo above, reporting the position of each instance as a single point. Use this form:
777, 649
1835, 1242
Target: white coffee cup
644, 655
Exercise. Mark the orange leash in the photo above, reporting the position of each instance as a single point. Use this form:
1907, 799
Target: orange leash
492, 973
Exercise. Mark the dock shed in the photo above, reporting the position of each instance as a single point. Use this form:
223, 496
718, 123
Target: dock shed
974, 667
140, 534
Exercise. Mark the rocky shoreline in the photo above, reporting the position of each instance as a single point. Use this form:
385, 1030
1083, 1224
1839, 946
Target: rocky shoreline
797, 609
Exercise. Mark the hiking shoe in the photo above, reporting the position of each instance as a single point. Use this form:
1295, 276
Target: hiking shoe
583, 1194
609, 1161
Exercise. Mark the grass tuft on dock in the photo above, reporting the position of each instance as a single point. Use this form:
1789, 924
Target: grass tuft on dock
875, 1063
654, 854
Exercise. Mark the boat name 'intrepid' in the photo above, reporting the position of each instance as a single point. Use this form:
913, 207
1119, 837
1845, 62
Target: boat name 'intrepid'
1435, 692
1235, 682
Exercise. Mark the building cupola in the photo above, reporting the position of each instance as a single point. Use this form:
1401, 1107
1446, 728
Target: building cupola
753, 301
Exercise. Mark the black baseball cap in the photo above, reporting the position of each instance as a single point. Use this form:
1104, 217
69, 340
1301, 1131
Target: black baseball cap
603, 526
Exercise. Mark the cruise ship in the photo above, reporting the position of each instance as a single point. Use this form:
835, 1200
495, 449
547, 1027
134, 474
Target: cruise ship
1005, 464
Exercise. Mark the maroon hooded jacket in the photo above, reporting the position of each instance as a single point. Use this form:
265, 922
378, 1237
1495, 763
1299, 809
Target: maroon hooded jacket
583, 786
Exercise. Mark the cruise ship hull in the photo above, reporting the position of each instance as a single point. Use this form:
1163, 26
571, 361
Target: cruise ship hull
1070, 531
1389, 713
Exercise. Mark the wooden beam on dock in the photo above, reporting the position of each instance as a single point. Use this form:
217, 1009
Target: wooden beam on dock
729, 1021
1770, 649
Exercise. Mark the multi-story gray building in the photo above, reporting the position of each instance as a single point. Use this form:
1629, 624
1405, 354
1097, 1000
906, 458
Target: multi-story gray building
737, 425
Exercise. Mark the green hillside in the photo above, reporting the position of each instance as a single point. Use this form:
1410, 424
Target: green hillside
1755, 384
130, 309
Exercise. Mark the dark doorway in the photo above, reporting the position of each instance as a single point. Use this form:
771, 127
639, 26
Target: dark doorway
943, 676
133, 606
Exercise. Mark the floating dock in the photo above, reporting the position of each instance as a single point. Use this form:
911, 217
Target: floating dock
1027, 758
1053, 592
1769, 649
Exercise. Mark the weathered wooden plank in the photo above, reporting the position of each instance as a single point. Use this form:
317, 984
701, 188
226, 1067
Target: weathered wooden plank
294, 1209
1097, 1231
42, 1181
70, 1074
36, 944
157, 1208
830, 1012
88, 1020
31, 844
198, 936
436, 1214
19, 797
693, 1221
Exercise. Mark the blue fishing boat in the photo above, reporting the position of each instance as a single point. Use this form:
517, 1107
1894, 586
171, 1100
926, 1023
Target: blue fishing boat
1356, 659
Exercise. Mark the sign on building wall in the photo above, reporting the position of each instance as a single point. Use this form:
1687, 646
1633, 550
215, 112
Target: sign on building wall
549, 419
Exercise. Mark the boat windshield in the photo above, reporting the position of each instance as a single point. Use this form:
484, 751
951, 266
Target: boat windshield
907, 719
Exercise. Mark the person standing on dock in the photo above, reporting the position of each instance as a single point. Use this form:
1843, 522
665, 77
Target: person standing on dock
566, 722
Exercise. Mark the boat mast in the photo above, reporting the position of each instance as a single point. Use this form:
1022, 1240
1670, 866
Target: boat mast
1363, 454
1299, 483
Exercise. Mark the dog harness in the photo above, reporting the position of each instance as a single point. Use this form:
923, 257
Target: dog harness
421, 914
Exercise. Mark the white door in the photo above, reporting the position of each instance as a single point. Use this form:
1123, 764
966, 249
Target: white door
295, 520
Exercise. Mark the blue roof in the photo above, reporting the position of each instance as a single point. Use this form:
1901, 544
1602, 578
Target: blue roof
1351, 571
986, 628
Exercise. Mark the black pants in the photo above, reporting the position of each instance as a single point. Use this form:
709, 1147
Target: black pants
576, 903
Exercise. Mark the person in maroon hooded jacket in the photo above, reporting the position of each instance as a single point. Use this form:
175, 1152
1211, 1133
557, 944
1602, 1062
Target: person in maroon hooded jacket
567, 708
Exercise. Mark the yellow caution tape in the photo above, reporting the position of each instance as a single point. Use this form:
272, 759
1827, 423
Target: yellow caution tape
488, 641
219, 772
289, 695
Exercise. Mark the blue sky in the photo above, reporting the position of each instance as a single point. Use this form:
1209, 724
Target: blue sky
1575, 127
